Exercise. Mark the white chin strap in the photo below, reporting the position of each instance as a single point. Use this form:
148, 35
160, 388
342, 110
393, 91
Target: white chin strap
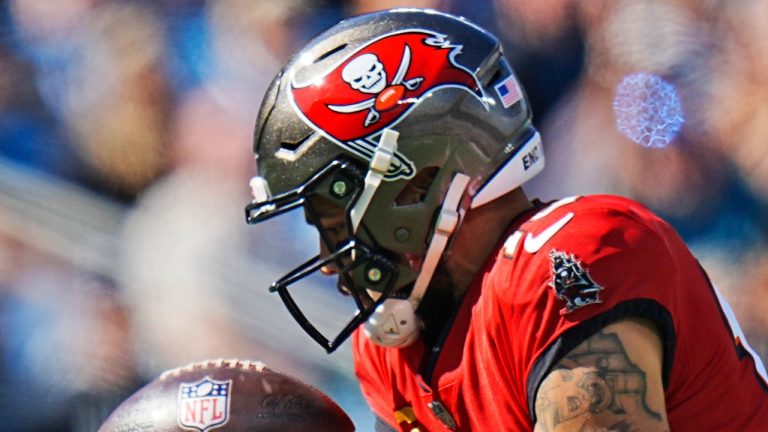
394, 323
382, 158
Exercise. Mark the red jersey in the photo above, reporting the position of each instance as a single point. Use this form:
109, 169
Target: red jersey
521, 316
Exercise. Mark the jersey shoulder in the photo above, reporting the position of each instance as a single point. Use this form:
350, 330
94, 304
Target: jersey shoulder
589, 250
597, 212
591, 225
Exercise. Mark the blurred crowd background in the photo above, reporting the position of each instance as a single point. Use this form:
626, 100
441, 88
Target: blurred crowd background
125, 154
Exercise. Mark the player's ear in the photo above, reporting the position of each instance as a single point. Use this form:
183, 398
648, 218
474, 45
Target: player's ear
612, 378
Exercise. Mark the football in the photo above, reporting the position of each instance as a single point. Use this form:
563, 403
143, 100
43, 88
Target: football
229, 395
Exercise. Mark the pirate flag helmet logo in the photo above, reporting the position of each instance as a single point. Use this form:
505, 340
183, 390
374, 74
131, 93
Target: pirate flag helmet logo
377, 86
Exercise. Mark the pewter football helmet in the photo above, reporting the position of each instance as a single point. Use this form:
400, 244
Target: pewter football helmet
403, 120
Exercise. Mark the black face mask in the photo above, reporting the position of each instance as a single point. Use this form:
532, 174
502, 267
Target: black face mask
360, 264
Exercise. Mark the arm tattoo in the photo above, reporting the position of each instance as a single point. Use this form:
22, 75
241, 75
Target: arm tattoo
597, 378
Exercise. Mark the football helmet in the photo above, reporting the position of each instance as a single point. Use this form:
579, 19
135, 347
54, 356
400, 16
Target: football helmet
402, 120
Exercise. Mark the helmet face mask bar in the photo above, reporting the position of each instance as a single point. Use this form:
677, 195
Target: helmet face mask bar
359, 264
365, 304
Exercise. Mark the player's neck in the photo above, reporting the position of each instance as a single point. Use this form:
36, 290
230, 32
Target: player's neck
479, 234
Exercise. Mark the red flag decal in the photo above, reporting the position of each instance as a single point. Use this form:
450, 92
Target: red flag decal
378, 85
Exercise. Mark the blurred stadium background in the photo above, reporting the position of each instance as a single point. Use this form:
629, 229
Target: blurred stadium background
125, 153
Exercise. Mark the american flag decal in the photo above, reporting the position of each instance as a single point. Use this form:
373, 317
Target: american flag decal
509, 91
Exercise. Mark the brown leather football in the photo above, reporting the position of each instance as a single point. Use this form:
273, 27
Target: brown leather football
227, 395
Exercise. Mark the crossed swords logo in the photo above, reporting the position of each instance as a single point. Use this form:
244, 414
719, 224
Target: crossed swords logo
366, 74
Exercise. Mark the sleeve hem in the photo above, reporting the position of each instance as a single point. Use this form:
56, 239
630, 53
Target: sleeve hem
571, 338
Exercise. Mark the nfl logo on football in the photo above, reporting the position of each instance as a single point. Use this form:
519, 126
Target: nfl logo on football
203, 405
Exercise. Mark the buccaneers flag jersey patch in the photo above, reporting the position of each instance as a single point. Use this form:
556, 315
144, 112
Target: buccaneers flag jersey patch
572, 282
377, 86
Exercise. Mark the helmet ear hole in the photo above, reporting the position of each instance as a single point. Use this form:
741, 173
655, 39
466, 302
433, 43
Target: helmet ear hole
415, 191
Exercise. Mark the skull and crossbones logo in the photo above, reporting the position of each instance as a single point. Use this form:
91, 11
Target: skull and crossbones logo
366, 74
